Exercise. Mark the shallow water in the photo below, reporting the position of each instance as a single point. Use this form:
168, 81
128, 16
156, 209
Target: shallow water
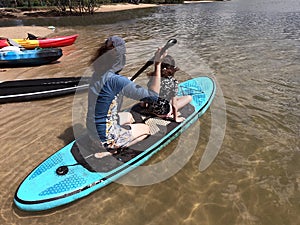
251, 49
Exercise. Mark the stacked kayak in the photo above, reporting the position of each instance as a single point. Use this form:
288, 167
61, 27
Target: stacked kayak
14, 57
60, 41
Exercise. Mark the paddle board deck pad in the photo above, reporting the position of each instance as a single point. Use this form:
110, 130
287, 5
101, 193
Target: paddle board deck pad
34, 89
73, 172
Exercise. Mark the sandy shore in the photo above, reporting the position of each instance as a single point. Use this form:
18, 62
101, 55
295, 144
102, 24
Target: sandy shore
193, 2
123, 6
21, 31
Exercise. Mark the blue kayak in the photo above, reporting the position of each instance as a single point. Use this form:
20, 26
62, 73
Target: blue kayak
73, 172
36, 57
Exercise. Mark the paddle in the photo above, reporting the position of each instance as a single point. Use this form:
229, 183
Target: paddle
44, 82
13, 43
169, 44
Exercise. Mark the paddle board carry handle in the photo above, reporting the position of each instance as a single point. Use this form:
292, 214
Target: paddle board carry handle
169, 44
62, 170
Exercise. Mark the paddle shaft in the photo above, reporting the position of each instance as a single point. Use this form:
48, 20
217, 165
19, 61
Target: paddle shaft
169, 44
43, 82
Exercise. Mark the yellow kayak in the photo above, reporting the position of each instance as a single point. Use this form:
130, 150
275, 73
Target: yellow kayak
54, 42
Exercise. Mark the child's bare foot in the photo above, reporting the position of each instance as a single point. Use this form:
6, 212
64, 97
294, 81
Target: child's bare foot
179, 119
100, 155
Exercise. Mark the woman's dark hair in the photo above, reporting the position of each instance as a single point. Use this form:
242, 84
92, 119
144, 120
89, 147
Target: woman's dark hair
102, 63
100, 51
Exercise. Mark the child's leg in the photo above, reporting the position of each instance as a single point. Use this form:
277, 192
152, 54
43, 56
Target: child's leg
125, 118
183, 101
139, 131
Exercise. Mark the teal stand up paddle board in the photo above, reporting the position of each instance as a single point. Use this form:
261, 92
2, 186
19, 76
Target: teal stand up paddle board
73, 172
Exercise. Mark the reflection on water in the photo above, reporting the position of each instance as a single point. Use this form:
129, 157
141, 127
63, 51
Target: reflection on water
252, 50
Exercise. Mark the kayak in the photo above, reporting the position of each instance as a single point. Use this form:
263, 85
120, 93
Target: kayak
13, 57
54, 42
34, 89
73, 172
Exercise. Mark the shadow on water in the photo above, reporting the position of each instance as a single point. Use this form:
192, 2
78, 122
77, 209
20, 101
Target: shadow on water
68, 135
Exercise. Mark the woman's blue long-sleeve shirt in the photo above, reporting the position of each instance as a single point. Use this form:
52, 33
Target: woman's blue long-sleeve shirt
105, 98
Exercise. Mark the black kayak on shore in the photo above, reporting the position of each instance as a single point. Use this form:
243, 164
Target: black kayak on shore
35, 89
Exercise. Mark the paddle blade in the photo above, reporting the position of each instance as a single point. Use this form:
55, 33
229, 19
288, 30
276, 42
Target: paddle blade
169, 44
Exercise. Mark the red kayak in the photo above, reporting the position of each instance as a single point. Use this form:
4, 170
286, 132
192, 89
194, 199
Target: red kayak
53, 42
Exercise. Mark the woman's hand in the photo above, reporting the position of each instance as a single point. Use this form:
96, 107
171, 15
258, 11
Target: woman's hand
158, 57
